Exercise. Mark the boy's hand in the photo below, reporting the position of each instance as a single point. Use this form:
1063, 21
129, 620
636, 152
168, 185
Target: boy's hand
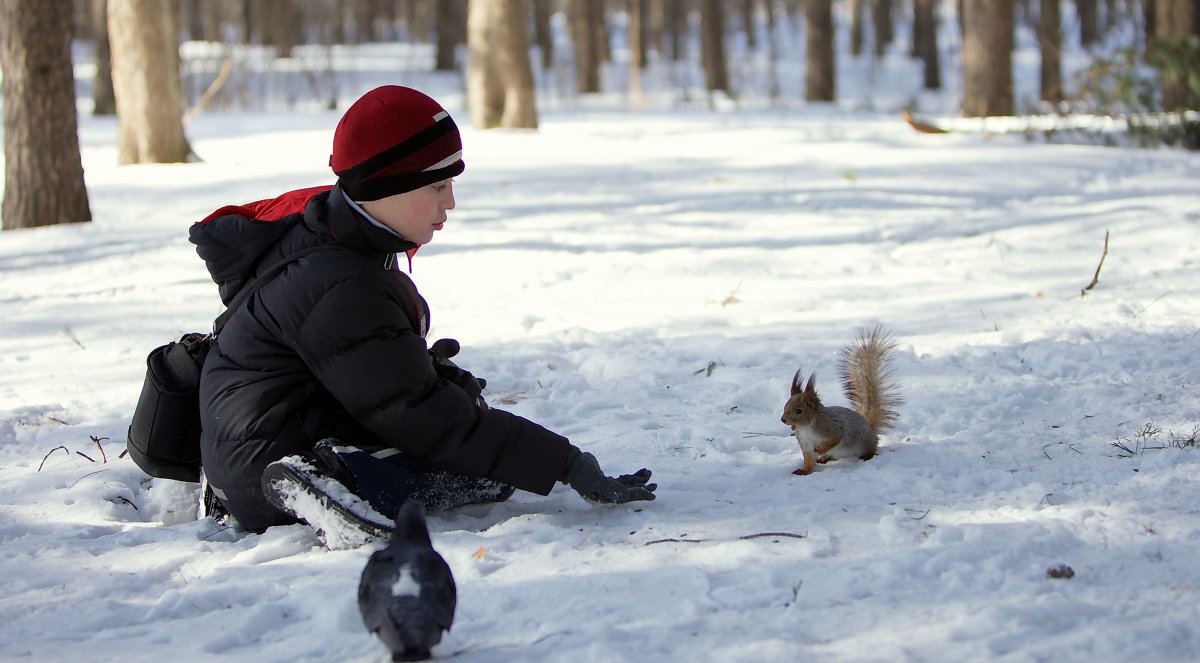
586, 478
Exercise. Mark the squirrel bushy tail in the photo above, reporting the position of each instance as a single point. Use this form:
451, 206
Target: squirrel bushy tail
867, 377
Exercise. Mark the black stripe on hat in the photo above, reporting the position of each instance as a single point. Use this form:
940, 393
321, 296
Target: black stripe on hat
420, 140
390, 185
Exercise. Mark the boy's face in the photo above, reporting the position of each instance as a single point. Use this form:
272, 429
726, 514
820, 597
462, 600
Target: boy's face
414, 214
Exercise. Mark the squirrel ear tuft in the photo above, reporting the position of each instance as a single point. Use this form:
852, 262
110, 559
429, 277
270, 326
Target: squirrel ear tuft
812, 382
796, 382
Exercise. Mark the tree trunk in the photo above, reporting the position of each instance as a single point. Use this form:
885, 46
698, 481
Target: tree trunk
675, 25
1050, 42
280, 24
587, 48
419, 19
712, 45
203, 20
639, 13
43, 173
599, 23
819, 74
925, 42
103, 101
987, 57
499, 75
451, 32
881, 16
1174, 21
145, 62
1150, 14
1086, 10
637, 49
748, 24
856, 27
542, 34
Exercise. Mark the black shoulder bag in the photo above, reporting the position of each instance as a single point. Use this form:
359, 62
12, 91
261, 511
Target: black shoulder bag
164, 434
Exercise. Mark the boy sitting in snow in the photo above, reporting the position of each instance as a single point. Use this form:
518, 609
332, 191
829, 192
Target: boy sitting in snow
320, 393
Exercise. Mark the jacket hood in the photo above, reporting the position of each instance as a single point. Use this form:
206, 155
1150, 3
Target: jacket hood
238, 241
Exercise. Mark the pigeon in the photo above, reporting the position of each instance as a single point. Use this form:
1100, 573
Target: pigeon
407, 593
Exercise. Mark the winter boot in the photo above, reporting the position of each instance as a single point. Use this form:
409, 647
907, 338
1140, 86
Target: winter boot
350, 495
309, 489
209, 506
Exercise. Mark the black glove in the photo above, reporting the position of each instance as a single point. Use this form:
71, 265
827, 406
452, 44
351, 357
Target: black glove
584, 475
441, 352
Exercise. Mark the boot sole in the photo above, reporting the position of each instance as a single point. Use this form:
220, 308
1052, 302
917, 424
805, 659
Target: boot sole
340, 523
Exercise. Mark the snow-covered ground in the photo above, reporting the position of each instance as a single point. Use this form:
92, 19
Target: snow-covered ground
647, 283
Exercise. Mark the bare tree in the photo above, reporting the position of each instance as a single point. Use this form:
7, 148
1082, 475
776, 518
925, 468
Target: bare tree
748, 23
856, 27
675, 27
925, 44
881, 16
499, 75
598, 20
819, 82
637, 48
712, 45
103, 101
1050, 43
145, 59
639, 15
1176, 20
542, 36
585, 36
279, 22
203, 19
987, 57
43, 173
451, 22
1086, 10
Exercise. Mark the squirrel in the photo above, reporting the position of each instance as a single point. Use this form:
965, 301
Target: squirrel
832, 433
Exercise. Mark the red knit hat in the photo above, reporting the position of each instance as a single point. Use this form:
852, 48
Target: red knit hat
394, 139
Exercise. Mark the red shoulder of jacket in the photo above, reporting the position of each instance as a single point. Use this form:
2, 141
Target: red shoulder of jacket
271, 209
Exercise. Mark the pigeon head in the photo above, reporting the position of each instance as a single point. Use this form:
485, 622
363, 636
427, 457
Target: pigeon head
410, 524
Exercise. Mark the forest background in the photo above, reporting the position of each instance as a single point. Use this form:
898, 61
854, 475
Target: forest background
159, 62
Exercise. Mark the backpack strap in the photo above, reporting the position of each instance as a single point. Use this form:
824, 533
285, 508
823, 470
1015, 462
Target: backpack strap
248, 290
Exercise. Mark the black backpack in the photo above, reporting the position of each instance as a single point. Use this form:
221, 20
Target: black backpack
164, 434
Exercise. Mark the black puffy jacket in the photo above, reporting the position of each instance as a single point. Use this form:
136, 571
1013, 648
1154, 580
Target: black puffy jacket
334, 346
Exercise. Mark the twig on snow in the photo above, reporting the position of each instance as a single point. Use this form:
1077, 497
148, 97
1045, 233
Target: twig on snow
50, 452
1152, 303
747, 537
97, 441
84, 477
1096, 276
